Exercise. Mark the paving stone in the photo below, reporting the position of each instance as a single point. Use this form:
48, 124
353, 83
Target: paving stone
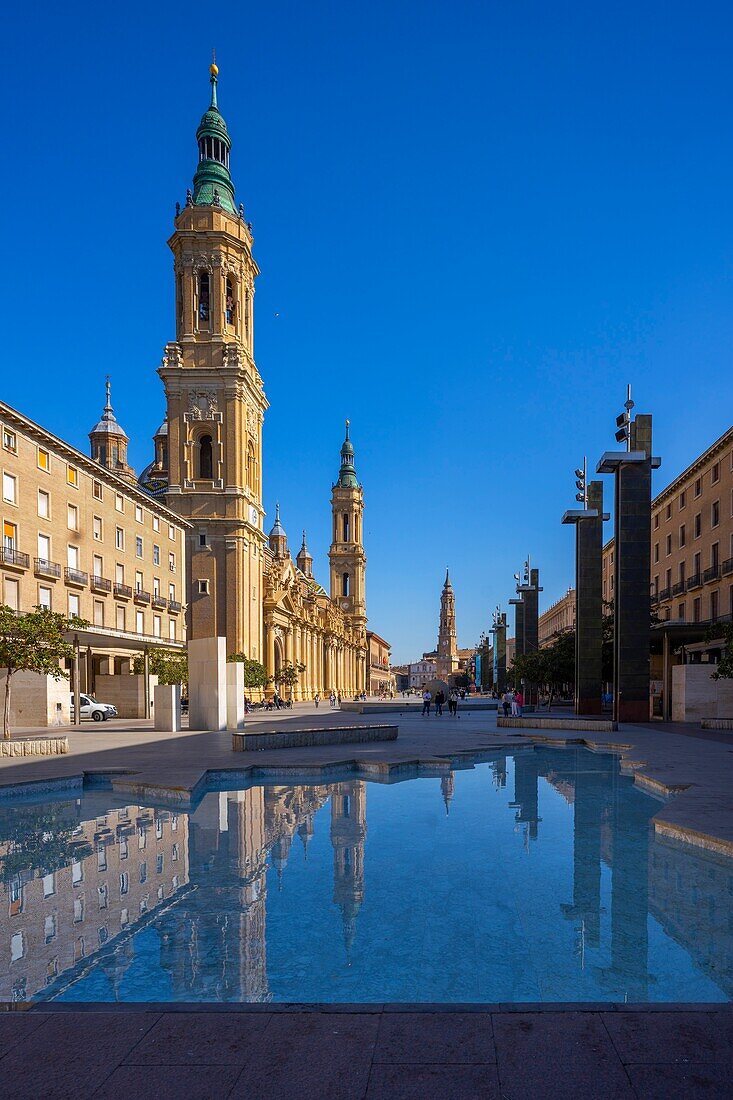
197, 1038
431, 1082
671, 1037
311, 1056
447, 1037
168, 1082
708, 1081
566, 1055
15, 1026
70, 1054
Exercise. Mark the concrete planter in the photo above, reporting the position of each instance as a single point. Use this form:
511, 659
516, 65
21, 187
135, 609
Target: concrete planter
42, 746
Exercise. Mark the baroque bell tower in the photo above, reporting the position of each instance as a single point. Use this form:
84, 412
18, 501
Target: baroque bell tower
447, 661
216, 401
346, 556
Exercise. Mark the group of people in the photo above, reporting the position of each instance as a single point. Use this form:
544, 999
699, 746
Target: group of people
439, 700
512, 703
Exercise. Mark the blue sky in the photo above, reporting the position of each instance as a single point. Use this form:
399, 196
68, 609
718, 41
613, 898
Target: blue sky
476, 222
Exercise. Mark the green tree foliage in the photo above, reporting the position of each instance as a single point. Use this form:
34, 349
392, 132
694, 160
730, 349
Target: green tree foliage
289, 674
255, 674
34, 642
168, 665
724, 667
39, 839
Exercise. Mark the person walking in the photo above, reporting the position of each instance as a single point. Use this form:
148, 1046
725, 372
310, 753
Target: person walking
506, 702
338, 700
439, 700
519, 702
426, 700
453, 703
316, 699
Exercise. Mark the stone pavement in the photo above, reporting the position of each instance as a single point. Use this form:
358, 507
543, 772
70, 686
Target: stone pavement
366, 1052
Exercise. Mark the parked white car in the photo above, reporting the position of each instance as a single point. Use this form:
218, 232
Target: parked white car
91, 708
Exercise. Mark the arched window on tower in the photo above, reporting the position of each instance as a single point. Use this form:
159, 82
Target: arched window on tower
204, 297
206, 458
346, 526
356, 528
230, 305
345, 579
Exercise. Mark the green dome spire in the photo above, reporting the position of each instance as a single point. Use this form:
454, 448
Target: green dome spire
347, 473
212, 184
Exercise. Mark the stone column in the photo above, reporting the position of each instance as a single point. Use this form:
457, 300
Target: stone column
632, 570
588, 523
518, 627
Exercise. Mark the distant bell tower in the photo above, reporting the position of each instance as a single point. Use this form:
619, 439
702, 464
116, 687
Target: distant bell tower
447, 661
216, 401
348, 836
346, 556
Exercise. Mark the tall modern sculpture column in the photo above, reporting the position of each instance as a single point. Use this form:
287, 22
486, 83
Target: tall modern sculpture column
498, 629
588, 522
632, 470
527, 617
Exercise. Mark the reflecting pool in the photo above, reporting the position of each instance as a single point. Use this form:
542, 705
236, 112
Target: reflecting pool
533, 876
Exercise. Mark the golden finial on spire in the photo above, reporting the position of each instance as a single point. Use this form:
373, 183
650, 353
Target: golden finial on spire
213, 68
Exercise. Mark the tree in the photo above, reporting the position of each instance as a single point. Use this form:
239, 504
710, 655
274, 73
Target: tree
289, 675
724, 667
39, 838
168, 665
34, 642
255, 674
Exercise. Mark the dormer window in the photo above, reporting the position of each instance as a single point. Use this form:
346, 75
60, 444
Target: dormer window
204, 296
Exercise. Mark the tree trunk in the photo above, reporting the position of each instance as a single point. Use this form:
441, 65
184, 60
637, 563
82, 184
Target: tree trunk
549, 702
6, 708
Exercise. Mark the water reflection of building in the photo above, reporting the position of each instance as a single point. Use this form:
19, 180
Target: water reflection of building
114, 870
691, 895
348, 834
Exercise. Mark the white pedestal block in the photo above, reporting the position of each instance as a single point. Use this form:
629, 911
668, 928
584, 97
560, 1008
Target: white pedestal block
207, 684
235, 695
167, 707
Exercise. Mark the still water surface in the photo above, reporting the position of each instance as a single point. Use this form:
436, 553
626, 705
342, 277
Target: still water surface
532, 877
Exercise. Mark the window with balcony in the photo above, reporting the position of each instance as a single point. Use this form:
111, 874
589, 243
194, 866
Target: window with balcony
119, 574
10, 487
138, 581
44, 548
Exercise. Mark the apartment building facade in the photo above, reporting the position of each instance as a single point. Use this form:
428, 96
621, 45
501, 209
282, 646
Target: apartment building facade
692, 542
558, 617
82, 540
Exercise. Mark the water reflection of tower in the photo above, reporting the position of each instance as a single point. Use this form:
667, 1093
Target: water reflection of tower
526, 772
591, 782
447, 788
498, 772
348, 834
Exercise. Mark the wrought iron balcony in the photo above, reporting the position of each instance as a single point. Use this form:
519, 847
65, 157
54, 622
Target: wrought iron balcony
174, 606
101, 584
75, 576
678, 588
694, 581
46, 568
727, 566
122, 591
141, 597
711, 574
664, 594
160, 603
10, 556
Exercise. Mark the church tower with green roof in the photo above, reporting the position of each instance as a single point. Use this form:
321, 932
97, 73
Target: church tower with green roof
215, 399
